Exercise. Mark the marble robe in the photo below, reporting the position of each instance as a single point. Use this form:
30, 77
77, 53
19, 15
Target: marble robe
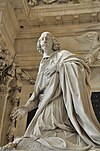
65, 118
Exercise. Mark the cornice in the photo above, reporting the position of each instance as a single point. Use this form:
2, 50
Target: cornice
63, 9
56, 14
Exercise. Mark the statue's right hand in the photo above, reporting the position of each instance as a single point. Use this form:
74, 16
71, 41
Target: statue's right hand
19, 112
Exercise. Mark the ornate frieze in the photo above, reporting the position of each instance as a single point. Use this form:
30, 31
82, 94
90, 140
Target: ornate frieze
36, 2
47, 13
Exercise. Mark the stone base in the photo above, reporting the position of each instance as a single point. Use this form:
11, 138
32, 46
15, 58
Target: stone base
27, 144
56, 150
52, 150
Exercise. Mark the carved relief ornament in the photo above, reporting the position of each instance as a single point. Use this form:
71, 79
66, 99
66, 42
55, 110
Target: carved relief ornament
91, 38
36, 2
6, 68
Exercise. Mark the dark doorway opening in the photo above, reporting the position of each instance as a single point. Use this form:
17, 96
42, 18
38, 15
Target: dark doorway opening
95, 98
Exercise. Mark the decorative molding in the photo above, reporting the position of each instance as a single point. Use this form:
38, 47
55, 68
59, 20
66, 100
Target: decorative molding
45, 15
36, 2
71, 1
66, 9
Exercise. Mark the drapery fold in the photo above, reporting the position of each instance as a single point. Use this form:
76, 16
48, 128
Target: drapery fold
70, 85
76, 94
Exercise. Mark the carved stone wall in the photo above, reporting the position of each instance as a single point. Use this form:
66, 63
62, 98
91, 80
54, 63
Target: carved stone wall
37, 2
7, 74
8, 31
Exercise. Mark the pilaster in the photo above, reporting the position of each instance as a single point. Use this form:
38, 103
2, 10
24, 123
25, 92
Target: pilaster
8, 24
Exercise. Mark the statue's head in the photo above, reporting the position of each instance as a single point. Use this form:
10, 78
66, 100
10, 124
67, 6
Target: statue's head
50, 40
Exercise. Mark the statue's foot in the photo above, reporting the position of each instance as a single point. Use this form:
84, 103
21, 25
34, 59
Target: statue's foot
8, 147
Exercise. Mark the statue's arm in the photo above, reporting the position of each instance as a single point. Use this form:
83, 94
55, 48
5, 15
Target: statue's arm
32, 102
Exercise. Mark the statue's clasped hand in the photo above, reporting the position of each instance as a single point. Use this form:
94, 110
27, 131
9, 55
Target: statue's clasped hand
19, 112
50, 71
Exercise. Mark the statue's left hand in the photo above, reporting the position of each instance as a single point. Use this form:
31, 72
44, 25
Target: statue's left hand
8, 147
50, 71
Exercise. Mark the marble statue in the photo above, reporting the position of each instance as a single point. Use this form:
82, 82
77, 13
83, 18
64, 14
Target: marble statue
65, 118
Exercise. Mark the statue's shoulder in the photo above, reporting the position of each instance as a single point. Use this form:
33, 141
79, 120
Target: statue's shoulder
65, 52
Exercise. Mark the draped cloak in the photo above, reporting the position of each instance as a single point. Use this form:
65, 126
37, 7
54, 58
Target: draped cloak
65, 118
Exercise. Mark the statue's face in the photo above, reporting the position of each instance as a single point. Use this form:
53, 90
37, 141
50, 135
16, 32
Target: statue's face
46, 42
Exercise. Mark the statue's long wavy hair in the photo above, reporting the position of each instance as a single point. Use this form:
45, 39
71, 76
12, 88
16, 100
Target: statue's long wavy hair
55, 44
